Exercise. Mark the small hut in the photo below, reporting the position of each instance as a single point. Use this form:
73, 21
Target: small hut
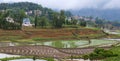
26, 22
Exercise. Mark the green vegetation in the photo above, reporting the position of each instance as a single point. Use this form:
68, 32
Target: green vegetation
115, 50
42, 39
104, 55
17, 16
36, 20
13, 58
83, 23
49, 59
58, 19
100, 54
10, 38
43, 22
112, 59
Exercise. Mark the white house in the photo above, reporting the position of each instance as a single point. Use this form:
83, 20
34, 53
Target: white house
9, 19
26, 22
38, 12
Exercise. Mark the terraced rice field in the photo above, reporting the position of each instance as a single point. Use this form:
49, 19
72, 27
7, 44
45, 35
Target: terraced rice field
100, 42
67, 43
78, 43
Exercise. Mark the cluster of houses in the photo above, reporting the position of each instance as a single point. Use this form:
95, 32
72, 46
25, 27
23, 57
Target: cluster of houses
84, 18
80, 17
35, 12
26, 21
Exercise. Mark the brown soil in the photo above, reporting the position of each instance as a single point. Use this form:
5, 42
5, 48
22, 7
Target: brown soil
48, 33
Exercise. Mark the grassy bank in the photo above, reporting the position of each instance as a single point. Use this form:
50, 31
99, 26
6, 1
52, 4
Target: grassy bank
115, 50
26, 57
49, 34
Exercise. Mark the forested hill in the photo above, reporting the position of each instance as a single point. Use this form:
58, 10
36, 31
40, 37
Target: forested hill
26, 6
29, 6
21, 5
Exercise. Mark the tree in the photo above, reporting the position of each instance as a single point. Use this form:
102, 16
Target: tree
0, 19
55, 19
58, 19
36, 20
68, 13
74, 22
3, 23
90, 24
83, 23
34, 58
21, 16
90, 17
99, 22
17, 15
62, 17
43, 22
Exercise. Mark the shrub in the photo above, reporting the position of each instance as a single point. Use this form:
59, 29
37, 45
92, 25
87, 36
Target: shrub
100, 54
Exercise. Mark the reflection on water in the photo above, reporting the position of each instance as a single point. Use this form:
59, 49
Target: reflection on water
59, 44
64, 44
2, 55
78, 60
27, 60
4, 44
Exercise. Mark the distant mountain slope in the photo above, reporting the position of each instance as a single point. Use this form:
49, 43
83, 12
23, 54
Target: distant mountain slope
27, 6
109, 14
21, 5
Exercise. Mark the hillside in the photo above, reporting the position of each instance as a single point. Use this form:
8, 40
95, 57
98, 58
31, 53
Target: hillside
49, 34
21, 5
26, 6
29, 6
108, 14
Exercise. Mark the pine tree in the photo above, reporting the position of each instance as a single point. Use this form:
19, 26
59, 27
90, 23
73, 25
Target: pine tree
36, 20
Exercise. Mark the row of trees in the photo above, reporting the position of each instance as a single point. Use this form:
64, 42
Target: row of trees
57, 20
81, 22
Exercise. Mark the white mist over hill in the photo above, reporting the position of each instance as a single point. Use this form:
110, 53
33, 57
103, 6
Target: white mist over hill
73, 4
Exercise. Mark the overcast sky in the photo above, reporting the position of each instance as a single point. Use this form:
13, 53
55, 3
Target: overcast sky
73, 4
